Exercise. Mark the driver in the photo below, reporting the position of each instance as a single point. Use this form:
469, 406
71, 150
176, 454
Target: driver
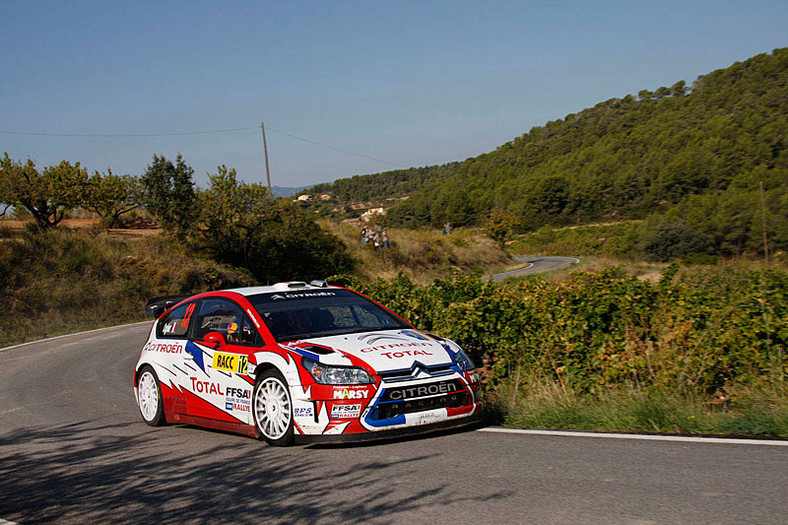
232, 333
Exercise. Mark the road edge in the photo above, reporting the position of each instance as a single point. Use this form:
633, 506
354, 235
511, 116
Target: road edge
20, 345
638, 437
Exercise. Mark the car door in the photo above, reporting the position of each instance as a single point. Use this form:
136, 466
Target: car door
169, 347
220, 348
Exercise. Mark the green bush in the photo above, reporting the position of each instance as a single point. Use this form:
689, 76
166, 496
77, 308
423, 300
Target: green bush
694, 331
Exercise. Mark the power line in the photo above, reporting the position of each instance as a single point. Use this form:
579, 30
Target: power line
185, 133
126, 135
335, 148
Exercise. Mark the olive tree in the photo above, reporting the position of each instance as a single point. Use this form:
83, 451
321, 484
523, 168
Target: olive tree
111, 196
47, 195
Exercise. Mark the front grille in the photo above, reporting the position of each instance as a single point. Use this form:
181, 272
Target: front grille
419, 398
393, 409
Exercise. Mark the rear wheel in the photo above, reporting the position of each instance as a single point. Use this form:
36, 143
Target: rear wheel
149, 397
273, 409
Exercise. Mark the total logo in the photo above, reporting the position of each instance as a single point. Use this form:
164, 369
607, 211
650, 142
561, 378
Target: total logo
206, 387
351, 394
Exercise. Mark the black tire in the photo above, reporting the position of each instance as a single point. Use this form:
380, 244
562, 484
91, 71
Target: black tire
272, 409
149, 398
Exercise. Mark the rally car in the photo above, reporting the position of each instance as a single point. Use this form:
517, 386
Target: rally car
297, 362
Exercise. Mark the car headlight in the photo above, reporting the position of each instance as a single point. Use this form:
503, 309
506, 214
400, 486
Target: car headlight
337, 375
464, 362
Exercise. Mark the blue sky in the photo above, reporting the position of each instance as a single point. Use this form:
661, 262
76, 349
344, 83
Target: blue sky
399, 84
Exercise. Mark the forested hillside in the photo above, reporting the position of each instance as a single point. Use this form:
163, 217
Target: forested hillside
375, 189
629, 157
698, 153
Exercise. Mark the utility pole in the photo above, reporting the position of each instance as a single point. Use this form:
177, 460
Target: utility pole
763, 219
267, 171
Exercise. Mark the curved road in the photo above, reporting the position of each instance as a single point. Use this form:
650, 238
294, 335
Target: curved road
73, 449
536, 265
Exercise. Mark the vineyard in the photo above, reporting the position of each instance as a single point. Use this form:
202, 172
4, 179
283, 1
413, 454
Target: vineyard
710, 336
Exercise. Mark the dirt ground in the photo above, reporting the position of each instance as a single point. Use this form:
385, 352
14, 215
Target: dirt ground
81, 224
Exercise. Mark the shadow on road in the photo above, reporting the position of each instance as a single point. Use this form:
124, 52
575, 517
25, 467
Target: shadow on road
129, 472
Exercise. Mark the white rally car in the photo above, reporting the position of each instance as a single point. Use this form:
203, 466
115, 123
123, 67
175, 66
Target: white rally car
298, 362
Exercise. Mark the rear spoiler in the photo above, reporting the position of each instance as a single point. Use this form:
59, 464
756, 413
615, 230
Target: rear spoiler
159, 305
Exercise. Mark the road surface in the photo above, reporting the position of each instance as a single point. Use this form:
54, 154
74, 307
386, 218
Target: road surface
73, 449
537, 265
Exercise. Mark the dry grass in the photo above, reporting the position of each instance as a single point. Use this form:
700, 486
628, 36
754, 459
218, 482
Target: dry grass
423, 255
64, 281
759, 409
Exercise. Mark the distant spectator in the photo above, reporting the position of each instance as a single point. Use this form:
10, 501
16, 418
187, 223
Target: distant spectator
384, 237
364, 237
446, 228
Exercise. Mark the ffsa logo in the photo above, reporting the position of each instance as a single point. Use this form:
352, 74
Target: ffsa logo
230, 362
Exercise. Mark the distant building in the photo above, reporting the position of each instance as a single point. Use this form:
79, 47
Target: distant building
304, 198
372, 213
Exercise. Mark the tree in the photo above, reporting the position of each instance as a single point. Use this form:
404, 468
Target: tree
111, 196
661, 92
500, 225
679, 89
551, 195
239, 224
670, 240
645, 94
169, 194
48, 195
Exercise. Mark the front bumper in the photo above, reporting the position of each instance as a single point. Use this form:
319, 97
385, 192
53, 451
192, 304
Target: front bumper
390, 434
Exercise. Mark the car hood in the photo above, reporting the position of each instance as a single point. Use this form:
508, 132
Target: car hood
389, 350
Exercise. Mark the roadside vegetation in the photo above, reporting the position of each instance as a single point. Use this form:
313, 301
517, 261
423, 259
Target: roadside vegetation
61, 281
608, 351
423, 255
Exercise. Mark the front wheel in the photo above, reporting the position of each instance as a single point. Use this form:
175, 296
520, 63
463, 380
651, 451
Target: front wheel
149, 397
273, 409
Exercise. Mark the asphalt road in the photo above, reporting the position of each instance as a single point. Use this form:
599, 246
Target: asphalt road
73, 449
537, 265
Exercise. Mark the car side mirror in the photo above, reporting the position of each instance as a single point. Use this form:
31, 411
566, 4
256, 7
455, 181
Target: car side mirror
217, 338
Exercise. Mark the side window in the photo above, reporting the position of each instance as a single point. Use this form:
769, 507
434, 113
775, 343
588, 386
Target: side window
248, 334
176, 323
220, 315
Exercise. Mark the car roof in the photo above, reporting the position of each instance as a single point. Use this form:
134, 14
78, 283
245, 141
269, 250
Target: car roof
289, 286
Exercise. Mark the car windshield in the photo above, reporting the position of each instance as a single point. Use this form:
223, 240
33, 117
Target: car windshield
292, 315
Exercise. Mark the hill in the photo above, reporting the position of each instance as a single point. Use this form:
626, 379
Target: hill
351, 196
628, 157
676, 149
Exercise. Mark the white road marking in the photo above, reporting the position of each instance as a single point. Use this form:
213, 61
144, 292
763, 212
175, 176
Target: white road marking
6, 522
642, 437
69, 335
